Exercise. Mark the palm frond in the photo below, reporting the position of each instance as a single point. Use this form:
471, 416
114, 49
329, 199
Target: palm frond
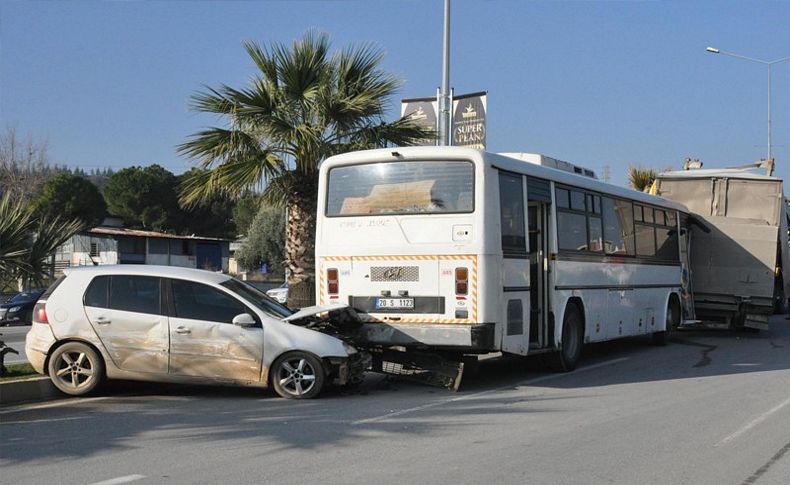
641, 178
16, 225
232, 177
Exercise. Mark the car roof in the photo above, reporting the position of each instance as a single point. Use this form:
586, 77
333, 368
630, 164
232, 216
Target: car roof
151, 270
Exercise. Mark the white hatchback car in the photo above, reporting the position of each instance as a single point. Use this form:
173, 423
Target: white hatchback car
168, 324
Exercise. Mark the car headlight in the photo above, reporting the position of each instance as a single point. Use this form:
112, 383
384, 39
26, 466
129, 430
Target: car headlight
349, 349
14, 309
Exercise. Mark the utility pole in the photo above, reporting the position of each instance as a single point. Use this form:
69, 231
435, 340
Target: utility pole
445, 99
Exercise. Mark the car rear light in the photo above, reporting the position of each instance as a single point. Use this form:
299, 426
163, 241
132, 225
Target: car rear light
461, 281
40, 314
332, 283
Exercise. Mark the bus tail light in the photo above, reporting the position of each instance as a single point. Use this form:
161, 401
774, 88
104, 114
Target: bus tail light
40, 314
461, 281
332, 283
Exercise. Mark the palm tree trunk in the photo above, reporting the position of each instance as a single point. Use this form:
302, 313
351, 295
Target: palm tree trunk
300, 246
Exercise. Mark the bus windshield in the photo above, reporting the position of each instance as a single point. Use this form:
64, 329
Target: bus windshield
399, 188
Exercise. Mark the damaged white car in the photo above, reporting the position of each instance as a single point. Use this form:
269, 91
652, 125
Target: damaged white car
168, 324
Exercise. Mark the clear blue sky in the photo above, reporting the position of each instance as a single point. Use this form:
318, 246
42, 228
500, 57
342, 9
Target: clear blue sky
597, 83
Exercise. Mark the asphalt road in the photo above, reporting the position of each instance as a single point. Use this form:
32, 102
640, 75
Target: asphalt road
14, 337
711, 408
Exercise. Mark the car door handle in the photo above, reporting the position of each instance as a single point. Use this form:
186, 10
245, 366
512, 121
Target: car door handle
103, 321
183, 330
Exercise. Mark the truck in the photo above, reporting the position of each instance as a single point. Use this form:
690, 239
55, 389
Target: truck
738, 245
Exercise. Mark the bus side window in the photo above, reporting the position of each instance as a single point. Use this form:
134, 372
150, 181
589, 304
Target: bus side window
618, 230
511, 213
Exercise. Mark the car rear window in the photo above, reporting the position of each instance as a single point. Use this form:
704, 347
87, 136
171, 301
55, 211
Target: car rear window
53, 287
139, 294
97, 293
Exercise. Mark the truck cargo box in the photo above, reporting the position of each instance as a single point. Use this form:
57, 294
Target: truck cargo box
737, 266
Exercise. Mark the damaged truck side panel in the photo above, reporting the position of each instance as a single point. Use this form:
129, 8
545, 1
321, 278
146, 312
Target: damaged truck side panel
739, 264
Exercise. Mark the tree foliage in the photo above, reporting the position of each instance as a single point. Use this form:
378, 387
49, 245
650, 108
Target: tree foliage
303, 105
24, 165
245, 211
144, 197
28, 241
72, 197
265, 241
210, 217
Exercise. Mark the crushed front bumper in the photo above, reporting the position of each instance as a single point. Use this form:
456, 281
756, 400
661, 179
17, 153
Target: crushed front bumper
350, 370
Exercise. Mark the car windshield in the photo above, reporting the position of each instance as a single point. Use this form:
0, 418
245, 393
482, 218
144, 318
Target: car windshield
25, 296
258, 298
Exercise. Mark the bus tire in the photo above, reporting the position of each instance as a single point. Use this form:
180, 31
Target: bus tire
672, 322
570, 352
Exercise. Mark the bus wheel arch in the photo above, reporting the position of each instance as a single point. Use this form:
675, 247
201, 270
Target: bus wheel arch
572, 339
672, 317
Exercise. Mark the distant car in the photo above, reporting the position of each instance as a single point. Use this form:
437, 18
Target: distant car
166, 324
280, 293
18, 310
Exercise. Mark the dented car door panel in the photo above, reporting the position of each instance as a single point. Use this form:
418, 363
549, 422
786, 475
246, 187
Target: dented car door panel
203, 340
215, 350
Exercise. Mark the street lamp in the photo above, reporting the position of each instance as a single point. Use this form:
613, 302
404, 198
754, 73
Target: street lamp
714, 50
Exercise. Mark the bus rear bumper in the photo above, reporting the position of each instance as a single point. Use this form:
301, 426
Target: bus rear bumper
471, 338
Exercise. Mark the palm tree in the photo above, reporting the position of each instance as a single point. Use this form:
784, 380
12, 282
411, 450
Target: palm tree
28, 242
302, 106
641, 179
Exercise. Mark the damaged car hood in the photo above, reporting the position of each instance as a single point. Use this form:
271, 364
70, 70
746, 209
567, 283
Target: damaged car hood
312, 313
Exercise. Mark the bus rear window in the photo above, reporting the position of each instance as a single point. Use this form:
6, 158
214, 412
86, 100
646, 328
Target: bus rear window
394, 188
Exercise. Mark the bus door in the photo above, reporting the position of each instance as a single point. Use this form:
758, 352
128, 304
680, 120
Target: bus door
537, 222
514, 320
687, 296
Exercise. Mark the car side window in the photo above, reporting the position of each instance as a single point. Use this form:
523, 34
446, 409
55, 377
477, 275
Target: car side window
140, 294
196, 301
96, 294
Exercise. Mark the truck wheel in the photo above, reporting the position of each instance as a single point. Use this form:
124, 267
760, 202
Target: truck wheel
567, 357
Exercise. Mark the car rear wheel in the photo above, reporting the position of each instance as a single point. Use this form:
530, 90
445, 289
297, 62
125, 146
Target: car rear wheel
76, 369
298, 375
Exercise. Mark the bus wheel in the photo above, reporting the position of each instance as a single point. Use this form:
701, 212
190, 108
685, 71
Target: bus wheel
567, 357
672, 323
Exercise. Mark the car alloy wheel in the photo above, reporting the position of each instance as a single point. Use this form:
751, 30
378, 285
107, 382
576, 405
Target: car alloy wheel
298, 376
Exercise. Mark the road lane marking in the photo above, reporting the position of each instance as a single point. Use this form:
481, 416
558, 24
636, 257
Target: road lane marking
117, 480
465, 397
751, 424
51, 420
55, 404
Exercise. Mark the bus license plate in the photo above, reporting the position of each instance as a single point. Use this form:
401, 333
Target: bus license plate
394, 302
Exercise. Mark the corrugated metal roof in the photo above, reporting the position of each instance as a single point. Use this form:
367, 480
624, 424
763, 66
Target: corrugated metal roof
122, 231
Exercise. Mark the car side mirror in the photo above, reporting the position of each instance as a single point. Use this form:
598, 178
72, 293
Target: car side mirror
244, 320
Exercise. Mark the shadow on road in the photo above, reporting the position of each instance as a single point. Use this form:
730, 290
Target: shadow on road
140, 412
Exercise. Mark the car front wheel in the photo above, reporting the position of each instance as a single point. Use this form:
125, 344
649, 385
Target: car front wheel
298, 375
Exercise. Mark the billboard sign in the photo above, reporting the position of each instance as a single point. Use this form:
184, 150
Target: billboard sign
422, 111
469, 120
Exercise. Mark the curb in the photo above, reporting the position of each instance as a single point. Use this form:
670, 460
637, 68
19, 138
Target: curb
17, 392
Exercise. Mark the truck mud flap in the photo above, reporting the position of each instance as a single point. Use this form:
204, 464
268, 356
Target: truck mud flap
422, 367
759, 322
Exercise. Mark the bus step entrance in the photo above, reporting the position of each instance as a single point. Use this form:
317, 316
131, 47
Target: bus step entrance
423, 367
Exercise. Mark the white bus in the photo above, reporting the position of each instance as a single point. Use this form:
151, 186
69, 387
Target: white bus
462, 251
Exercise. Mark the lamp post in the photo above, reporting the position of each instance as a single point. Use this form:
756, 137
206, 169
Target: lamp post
714, 50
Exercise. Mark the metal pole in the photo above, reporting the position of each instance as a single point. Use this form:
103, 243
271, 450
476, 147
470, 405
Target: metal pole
770, 157
444, 108
714, 50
